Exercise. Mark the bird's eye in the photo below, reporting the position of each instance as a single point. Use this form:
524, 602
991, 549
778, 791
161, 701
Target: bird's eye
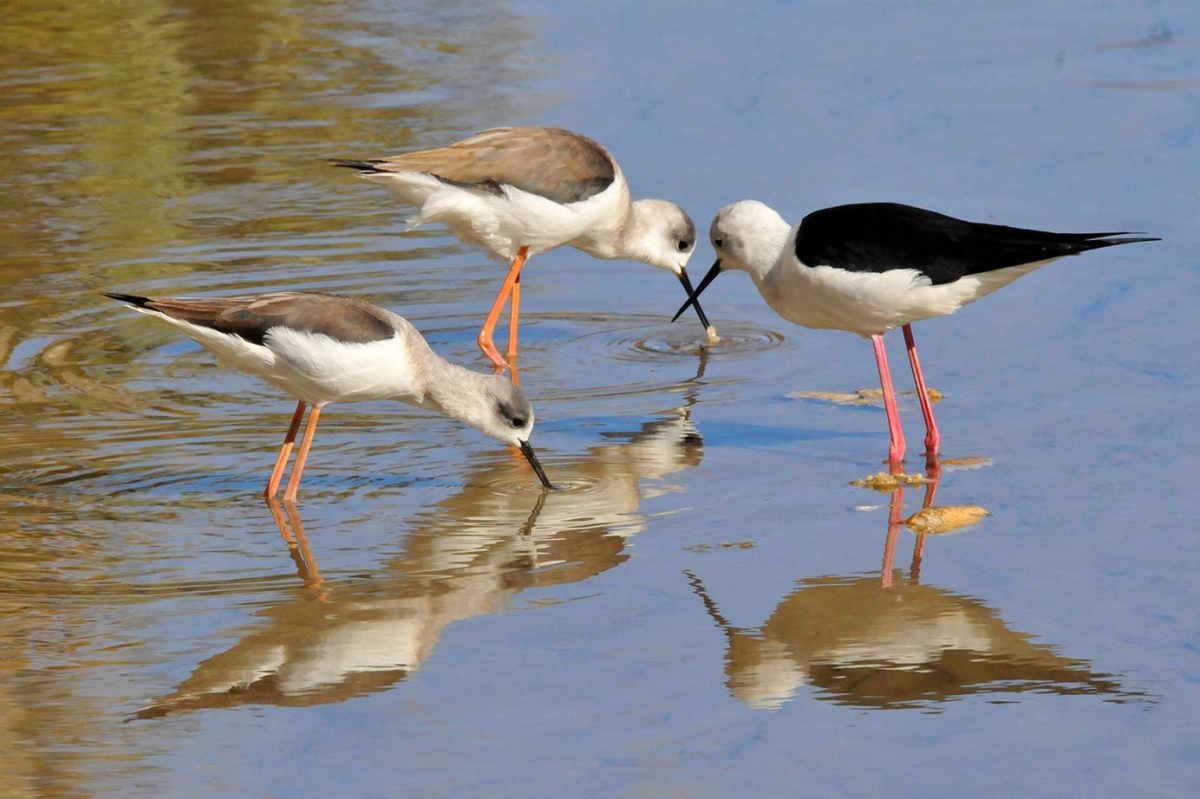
684, 246
517, 422
718, 243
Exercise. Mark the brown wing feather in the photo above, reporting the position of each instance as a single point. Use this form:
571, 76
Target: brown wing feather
556, 164
341, 318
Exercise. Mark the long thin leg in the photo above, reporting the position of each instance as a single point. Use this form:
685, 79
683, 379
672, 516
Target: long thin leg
285, 451
513, 311
489, 325
932, 438
289, 494
896, 449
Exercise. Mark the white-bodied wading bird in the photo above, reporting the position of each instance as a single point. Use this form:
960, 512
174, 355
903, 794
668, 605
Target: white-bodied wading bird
522, 191
871, 267
324, 348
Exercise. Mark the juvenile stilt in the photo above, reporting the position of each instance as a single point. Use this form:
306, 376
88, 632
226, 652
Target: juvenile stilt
324, 348
530, 190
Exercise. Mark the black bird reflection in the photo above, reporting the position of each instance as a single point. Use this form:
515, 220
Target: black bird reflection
886, 641
469, 555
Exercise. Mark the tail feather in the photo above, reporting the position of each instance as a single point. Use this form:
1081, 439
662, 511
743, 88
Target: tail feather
361, 166
1107, 240
132, 299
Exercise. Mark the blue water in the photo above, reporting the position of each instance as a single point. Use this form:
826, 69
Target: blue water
710, 609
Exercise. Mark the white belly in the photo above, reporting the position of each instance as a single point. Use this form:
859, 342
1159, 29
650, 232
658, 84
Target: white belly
870, 303
506, 222
316, 368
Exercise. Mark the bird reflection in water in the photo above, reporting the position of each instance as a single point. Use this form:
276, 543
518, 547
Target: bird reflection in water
469, 555
887, 641
291, 527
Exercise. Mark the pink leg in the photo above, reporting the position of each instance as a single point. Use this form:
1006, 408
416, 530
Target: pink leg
932, 438
289, 494
284, 452
896, 450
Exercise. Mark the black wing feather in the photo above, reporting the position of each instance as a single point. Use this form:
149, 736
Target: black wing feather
879, 237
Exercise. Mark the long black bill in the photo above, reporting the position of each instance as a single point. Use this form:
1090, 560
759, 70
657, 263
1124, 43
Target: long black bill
687, 286
694, 296
527, 451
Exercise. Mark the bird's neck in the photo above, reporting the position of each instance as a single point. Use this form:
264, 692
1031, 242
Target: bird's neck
759, 255
626, 236
446, 389
641, 236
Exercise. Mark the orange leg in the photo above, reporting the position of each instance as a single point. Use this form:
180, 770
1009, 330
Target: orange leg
513, 311
284, 452
289, 495
489, 325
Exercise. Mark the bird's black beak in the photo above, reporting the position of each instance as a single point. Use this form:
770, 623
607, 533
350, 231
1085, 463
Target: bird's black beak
693, 296
530, 456
687, 286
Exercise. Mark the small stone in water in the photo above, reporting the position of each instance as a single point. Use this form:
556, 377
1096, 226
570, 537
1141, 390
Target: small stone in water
944, 519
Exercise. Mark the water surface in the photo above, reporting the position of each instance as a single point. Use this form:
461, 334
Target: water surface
710, 608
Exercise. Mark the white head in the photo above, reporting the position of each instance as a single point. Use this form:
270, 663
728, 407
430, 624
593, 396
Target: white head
500, 410
749, 236
496, 407
659, 233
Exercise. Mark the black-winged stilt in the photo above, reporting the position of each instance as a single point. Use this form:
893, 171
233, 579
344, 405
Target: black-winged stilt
522, 191
324, 348
870, 267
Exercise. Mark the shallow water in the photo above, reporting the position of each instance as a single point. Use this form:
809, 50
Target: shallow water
709, 608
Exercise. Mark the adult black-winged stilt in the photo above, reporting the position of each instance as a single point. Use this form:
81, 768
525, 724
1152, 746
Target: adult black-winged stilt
870, 267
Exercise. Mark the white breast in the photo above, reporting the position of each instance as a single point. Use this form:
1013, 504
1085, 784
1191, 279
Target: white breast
865, 303
506, 222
